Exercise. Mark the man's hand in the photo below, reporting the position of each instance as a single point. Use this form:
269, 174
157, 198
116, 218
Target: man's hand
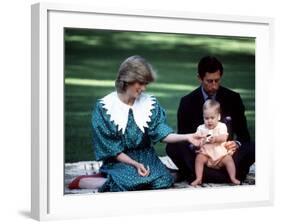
231, 146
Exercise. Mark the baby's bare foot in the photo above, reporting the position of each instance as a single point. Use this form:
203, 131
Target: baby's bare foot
235, 181
196, 182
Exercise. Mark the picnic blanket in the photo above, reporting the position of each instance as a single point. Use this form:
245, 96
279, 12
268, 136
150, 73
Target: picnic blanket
73, 170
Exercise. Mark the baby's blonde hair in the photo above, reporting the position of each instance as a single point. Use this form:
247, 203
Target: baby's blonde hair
212, 104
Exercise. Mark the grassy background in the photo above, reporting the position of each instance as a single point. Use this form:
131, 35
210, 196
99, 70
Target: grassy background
92, 58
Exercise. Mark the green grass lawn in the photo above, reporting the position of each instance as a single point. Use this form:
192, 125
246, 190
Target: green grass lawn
92, 58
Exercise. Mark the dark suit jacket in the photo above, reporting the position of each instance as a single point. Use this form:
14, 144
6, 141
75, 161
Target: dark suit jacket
190, 114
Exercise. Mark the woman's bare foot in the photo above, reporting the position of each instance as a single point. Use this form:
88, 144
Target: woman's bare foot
196, 182
91, 182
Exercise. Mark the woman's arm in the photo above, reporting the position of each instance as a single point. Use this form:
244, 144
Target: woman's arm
124, 158
192, 138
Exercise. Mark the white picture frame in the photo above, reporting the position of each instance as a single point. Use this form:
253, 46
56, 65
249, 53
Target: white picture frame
48, 200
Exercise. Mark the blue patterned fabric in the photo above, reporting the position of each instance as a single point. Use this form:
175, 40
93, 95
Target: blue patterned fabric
109, 142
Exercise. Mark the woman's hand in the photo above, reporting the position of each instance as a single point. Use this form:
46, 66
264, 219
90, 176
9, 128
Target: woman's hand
195, 139
124, 158
142, 171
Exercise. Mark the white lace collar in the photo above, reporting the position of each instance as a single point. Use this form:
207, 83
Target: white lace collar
119, 111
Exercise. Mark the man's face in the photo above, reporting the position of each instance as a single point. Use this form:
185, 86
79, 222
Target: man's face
211, 82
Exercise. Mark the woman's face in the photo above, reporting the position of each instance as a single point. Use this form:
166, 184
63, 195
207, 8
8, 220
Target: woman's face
134, 90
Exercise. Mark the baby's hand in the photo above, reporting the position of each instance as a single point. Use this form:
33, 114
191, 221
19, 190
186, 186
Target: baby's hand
210, 139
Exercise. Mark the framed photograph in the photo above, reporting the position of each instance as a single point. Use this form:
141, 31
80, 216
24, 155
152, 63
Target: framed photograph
76, 53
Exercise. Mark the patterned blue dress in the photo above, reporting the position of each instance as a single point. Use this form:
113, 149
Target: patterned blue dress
108, 142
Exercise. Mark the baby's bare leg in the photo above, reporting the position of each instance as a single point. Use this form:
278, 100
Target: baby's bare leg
228, 162
200, 161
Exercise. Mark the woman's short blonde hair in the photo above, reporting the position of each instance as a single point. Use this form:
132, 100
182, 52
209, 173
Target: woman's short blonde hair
134, 69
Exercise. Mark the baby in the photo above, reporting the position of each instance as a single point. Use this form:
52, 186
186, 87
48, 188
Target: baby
212, 151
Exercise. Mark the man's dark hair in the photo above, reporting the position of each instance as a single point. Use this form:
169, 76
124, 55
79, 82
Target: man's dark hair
209, 64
